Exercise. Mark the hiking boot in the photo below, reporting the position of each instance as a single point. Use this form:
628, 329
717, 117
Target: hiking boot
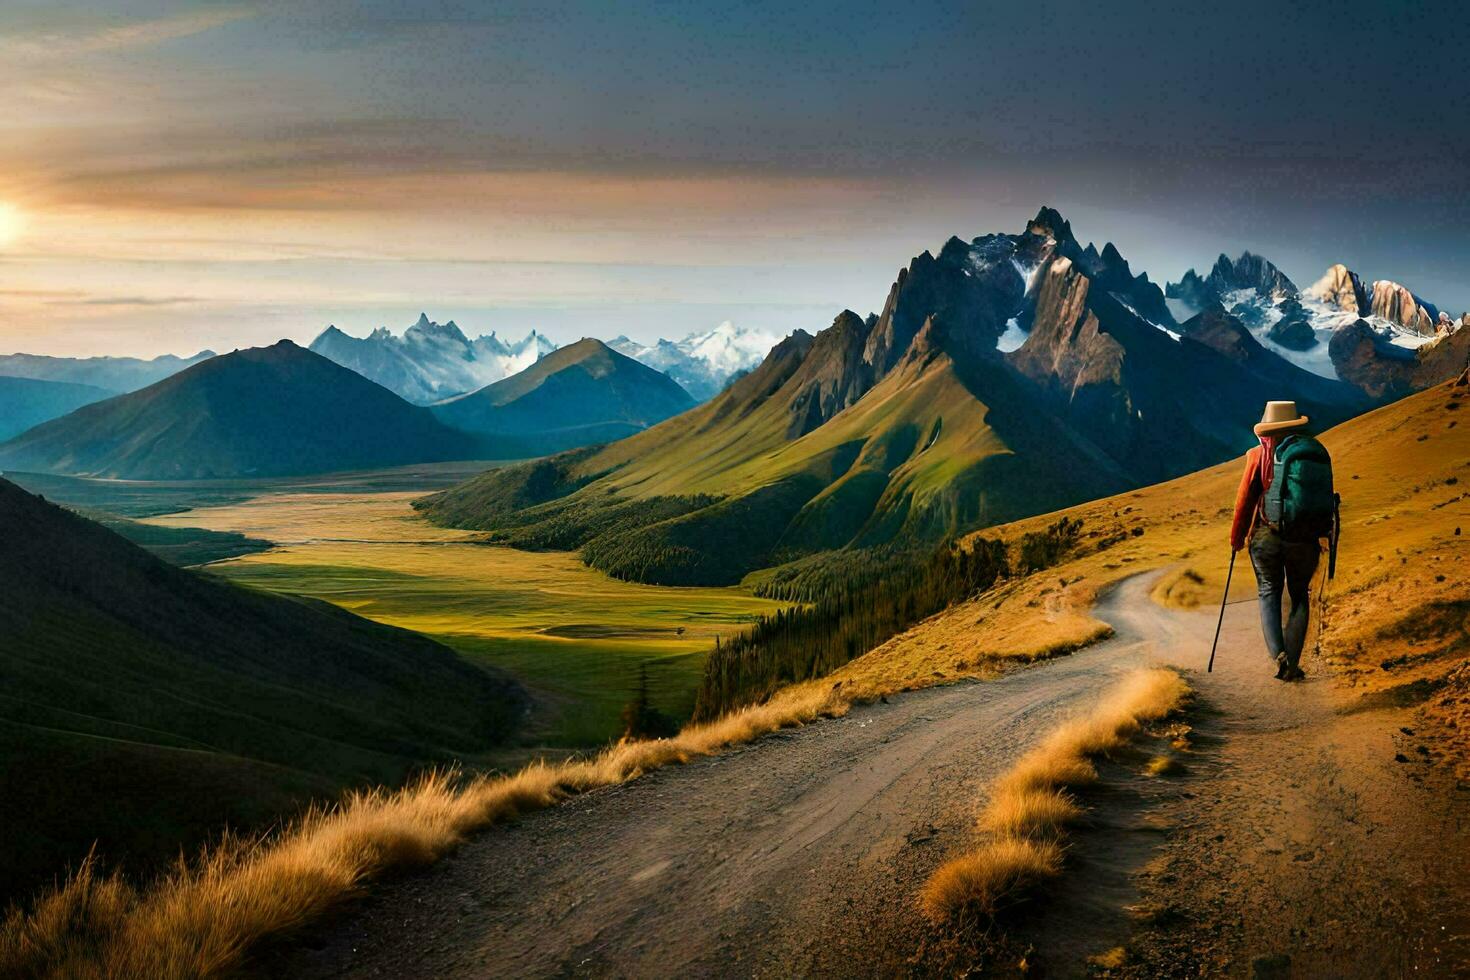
1283, 669
1296, 674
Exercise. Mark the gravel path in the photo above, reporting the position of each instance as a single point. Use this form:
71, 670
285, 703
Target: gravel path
802, 853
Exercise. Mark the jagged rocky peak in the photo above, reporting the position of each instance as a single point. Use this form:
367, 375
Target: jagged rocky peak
1061, 299
973, 287
984, 289
927, 342
1250, 272
833, 375
1113, 259
1109, 270
425, 329
1396, 304
1192, 290
1341, 289
1050, 223
430, 361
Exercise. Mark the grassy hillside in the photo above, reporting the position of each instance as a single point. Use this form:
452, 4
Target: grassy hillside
27, 402
578, 395
911, 426
933, 449
267, 411
574, 637
1397, 609
143, 706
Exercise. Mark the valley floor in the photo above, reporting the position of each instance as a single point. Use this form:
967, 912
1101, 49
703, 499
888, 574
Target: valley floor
1294, 842
573, 636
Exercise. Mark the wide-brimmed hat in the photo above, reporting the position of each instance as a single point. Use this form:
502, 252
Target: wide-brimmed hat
1278, 416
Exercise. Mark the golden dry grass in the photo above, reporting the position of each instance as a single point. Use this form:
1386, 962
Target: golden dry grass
1030, 806
983, 879
1029, 813
1403, 471
203, 919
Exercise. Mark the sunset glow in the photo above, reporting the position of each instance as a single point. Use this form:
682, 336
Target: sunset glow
10, 224
183, 175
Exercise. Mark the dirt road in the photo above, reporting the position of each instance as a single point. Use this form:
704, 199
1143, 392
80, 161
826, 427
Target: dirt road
1294, 843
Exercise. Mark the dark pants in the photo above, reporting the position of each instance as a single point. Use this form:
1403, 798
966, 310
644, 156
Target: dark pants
1291, 563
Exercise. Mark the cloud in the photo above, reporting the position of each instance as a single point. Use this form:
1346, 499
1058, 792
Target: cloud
128, 301
93, 38
78, 297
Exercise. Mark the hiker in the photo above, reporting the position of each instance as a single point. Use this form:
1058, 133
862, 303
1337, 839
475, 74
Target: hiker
1284, 506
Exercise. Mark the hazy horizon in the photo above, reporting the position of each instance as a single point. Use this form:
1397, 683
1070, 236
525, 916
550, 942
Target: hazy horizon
179, 176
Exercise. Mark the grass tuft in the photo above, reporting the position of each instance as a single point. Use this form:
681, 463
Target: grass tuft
203, 919
985, 878
1030, 808
1030, 813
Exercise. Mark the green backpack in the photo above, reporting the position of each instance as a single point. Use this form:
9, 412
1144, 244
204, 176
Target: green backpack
1300, 504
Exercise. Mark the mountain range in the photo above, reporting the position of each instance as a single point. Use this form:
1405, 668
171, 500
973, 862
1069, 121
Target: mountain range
1379, 337
147, 706
574, 396
267, 411
431, 361
702, 363
1018, 340
27, 402
1007, 375
115, 374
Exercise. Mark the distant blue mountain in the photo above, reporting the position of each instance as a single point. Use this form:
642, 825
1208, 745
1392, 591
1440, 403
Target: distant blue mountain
27, 402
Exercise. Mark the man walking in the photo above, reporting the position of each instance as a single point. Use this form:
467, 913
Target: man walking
1284, 506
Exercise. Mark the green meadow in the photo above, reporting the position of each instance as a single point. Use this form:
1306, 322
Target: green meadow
574, 636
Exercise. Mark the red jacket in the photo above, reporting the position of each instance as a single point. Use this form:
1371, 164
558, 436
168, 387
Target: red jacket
1247, 500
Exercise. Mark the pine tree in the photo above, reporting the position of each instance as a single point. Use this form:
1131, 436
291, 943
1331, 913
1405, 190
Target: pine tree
640, 718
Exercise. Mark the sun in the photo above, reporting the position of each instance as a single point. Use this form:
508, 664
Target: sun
10, 223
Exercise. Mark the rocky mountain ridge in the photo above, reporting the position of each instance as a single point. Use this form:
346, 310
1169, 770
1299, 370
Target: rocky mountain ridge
1384, 323
913, 423
431, 361
702, 363
116, 374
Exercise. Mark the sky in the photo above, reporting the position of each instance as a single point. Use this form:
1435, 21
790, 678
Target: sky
176, 176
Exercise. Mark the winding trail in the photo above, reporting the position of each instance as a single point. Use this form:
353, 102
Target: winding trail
802, 853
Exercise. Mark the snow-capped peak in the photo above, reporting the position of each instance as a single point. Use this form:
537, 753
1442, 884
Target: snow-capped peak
432, 361
703, 362
727, 348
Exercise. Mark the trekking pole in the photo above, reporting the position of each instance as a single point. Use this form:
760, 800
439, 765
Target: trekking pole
1223, 599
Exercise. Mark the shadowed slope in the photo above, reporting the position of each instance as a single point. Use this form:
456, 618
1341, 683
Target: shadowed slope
27, 402
144, 706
